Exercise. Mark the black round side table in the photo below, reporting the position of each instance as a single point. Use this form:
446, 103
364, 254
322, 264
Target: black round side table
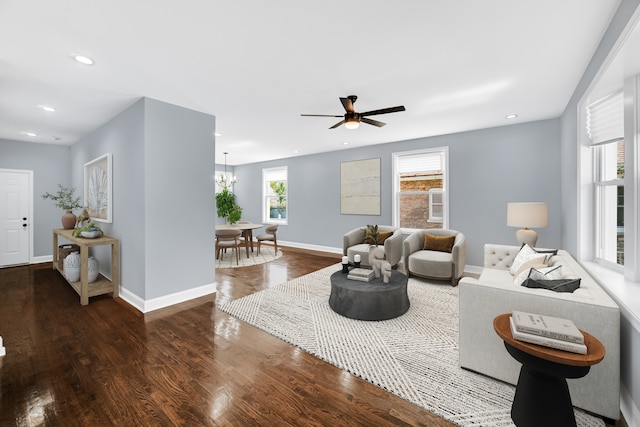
542, 396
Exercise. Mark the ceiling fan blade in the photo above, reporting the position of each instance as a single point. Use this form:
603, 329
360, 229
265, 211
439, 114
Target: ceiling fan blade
372, 122
347, 104
384, 111
320, 115
337, 124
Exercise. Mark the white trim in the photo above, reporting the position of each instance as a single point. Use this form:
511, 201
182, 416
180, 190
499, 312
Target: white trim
146, 306
311, 247
628, 408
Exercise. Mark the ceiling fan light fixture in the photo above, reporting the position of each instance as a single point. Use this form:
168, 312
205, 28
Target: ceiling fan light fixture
352, 123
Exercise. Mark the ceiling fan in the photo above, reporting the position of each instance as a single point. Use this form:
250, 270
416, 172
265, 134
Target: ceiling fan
352, 119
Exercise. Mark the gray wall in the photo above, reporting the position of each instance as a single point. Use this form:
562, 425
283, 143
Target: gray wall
488, 168
162, 195
180, 209
123, 137
51, 166
630, 336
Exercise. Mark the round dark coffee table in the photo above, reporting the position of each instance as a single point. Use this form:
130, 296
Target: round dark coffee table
373, 300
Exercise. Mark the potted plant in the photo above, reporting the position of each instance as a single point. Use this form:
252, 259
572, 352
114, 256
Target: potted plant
65, 199
225, 201
234, 214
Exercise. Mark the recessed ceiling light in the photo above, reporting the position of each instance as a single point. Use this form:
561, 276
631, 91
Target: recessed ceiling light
295, 151
47, 108
511, 116
345, 143
83, 59
31, 134
217, 134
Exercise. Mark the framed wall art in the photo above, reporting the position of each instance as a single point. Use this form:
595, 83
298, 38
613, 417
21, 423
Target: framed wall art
98, 188
360, 187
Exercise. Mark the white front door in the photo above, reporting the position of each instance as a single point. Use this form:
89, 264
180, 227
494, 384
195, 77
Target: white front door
15, 229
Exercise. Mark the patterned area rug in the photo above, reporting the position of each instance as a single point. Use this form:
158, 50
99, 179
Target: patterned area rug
414, 356
228, 259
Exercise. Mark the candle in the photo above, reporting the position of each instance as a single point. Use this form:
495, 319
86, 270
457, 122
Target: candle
356, 258
345, 260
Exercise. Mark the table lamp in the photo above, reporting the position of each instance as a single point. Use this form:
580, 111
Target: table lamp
527, 215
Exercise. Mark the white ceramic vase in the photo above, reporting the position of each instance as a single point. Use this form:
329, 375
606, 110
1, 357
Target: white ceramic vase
93, 266
72, 267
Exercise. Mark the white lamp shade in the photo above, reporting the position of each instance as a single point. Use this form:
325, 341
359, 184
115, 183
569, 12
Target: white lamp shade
528, 215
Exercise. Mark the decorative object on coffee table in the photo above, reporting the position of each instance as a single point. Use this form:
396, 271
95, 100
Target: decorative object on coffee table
542, 396
345, 264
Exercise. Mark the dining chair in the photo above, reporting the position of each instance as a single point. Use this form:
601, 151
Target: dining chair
228, 239
271, 231
247, 234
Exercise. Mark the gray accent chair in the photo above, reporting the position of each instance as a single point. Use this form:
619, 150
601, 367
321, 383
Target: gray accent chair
353, 244
435, 264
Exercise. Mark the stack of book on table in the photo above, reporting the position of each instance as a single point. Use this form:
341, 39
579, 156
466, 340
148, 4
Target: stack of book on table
554, 332
361, 274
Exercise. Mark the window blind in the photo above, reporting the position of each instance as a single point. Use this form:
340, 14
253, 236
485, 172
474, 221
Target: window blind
426, 162
605, 119
278, 174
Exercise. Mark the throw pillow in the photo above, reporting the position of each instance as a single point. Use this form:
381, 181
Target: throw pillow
538, 262
549, 273
384, 235
438, 243
541, 273
525, 254
368, 235
556, 285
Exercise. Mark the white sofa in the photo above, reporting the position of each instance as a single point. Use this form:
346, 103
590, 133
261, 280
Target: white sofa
590, 308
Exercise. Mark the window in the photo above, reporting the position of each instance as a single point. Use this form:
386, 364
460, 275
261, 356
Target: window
420, 182
436, 207
274, 192
609, 200
605, 127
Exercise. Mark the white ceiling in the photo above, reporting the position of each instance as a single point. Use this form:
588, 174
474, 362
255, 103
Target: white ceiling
455, 65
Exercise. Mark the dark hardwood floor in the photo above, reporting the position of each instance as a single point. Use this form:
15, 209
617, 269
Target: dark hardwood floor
188, 365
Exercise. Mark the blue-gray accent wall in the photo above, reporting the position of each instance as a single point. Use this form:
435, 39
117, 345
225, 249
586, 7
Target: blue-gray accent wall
487, 169
51, 166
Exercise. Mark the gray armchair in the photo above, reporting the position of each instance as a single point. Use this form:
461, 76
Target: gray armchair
353, 243
434, 264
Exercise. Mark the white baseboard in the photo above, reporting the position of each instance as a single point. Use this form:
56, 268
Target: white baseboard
311, 247
629, 409
41, 259
146, 306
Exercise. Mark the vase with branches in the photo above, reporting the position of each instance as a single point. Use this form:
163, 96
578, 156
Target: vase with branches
66, 200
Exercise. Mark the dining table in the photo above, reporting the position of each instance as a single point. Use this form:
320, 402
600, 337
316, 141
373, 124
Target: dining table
247, 232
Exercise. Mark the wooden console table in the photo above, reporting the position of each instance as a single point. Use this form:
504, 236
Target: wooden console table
102, 285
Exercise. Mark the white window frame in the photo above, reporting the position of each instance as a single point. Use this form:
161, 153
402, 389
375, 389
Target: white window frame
445, 184
432, 193
268, 173
589, 239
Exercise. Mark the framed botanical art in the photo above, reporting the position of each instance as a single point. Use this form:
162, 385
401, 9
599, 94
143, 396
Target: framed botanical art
98, 188
360, 187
